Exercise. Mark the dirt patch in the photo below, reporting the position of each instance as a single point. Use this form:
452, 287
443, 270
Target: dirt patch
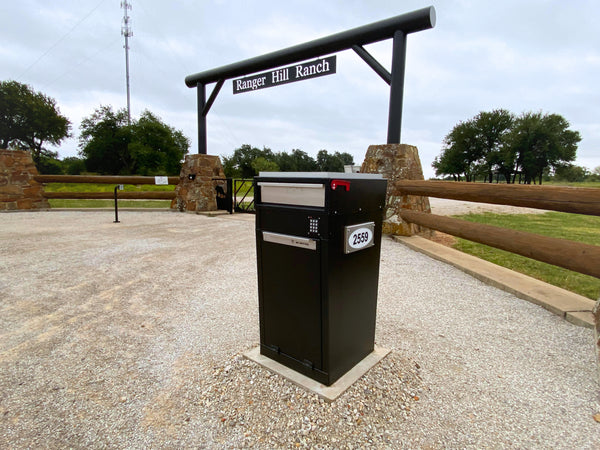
446, 207
442, 238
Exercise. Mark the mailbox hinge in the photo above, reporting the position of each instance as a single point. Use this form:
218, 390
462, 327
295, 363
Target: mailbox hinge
308, 364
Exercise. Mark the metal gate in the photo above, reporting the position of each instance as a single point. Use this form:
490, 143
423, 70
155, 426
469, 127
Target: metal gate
243, 194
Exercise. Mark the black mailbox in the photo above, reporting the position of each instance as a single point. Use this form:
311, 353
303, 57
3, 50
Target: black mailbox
318, 238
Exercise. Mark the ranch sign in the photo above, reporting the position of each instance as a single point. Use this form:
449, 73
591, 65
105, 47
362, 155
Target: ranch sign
304, 71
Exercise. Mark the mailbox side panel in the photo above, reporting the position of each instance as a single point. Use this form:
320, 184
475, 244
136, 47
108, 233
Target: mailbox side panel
353, 279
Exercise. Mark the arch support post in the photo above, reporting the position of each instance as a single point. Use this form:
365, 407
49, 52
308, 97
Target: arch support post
397, 87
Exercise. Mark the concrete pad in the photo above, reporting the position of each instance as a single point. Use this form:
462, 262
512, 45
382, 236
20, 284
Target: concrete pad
219, 212
581, 318
570, 306
327, 393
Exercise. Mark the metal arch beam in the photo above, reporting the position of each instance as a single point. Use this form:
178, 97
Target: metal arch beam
212, 97
373, 63
419, 20
397, 27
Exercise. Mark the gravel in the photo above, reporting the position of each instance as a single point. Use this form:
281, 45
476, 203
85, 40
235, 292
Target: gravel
130, 335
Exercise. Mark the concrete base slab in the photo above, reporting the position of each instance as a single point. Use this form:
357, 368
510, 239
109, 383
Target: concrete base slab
219, 212
327, 393
581, 318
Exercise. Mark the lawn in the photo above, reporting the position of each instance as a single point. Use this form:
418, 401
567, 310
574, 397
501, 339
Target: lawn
93, 187
76, 203
574, 227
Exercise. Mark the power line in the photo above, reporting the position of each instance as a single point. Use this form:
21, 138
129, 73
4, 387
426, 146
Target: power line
71, 68
61, 39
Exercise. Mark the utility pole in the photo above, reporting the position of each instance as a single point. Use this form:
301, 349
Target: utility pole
127, 32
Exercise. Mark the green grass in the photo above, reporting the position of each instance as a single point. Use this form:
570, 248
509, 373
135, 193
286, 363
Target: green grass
582, 184
245, 188
68, 203
92, 187
574, 227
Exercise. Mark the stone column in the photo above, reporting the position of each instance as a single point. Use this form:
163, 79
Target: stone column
18, 189
397, 162
196, 188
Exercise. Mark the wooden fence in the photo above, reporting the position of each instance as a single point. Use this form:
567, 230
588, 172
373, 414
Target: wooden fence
583, 258
146, 195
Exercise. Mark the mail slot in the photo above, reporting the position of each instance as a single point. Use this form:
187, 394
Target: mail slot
318, 238
301, 194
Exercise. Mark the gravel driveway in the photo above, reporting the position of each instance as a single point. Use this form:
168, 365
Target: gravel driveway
130, 335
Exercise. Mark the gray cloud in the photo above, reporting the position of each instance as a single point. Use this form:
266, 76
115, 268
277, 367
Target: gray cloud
521, 56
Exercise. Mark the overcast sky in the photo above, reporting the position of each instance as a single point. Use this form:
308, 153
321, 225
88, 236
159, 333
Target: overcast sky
481, 55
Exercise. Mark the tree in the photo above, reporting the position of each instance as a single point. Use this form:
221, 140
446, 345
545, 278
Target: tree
297, 161
450, 162
109, 145
73, 165
48, 165
239, 165
248, 161
491, 128
334, 162
261, 164
475, 147
156, 148
30, 120
497, 141
460, 153
104, 142
571, 173
539, 141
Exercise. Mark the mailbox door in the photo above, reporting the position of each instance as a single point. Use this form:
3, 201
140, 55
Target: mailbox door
291, 301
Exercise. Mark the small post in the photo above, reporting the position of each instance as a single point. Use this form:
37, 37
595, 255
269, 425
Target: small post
229, 195
120, 188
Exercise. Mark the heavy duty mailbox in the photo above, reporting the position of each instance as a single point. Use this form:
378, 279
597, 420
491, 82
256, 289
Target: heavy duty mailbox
318, 238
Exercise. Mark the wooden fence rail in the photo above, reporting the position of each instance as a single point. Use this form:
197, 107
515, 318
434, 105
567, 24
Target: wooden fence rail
106, 179
101, 179
576, 256
557, 198
141, 195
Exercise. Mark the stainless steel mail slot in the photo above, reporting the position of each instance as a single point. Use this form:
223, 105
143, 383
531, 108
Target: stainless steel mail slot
301, 194
293, 241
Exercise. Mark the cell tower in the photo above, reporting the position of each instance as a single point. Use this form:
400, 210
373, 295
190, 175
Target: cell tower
127, 32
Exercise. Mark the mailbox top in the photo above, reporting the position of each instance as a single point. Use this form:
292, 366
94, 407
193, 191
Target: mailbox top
322, 175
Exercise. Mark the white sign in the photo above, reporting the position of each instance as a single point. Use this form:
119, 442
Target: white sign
359, 237
161, 180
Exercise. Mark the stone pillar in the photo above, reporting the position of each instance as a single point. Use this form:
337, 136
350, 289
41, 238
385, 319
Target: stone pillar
18, 189
397, 162
196, 188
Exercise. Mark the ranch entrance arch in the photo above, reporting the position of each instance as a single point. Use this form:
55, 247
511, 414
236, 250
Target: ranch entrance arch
397, 27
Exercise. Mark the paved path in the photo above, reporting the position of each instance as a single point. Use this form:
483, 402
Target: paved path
130, 335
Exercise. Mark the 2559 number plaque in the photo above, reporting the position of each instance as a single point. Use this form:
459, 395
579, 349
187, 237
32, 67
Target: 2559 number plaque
359, 237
